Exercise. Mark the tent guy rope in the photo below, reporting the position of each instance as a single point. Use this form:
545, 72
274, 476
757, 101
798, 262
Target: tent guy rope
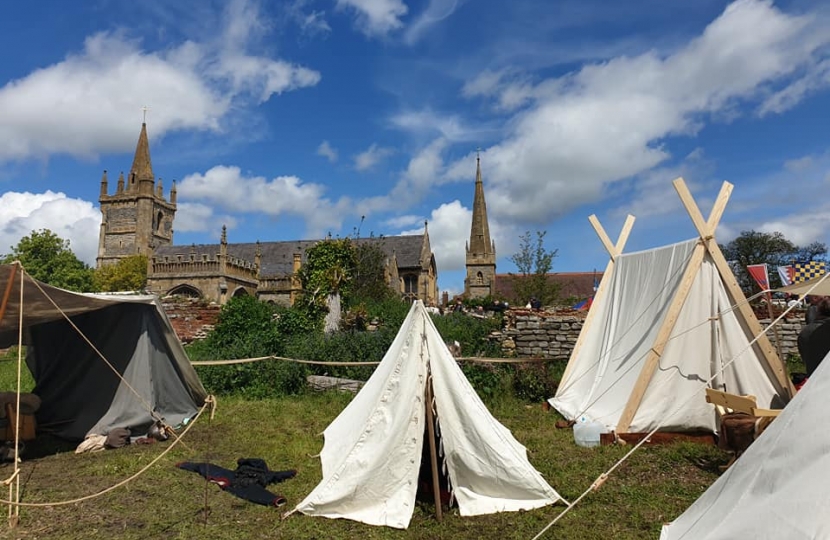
604, 476
209, 402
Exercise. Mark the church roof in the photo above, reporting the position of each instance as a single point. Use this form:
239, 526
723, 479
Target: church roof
277, 258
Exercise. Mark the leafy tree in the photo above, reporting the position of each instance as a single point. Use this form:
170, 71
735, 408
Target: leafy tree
128, 274
754, 247
48, 258
534, 262
370, 272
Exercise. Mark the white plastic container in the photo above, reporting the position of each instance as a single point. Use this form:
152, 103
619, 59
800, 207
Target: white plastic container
587, 434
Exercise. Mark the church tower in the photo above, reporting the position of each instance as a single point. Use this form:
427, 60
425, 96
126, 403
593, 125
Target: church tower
136, 218
481, 251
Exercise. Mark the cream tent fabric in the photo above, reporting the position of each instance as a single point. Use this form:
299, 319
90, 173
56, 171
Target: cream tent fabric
372, 451
635, 303
780, 487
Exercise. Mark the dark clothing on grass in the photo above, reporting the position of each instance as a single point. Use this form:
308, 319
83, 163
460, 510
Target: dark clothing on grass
247, 482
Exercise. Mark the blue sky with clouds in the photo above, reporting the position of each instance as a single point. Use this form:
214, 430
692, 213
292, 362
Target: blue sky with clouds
289, 120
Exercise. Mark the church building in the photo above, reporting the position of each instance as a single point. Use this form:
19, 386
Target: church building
138, 220
481, 251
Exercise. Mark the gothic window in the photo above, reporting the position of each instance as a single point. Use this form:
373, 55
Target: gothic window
132, 179
410, 286
185, 290
479, 279
158, 223
240, 292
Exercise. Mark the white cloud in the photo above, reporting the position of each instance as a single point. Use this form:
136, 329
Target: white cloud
71, 219
801, 228
228, 188
435, 12
582, 132
89, 102
197, 217
430, 123
398, 222
371, 157
449, 228
312, 23
376, 18
327, 151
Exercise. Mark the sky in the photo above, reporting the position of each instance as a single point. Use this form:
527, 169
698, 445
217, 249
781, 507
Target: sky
296, 119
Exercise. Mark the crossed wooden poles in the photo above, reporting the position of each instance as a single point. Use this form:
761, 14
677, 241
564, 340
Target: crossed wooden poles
706, 244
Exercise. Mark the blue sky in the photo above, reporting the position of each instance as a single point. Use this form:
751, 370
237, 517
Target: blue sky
289, 120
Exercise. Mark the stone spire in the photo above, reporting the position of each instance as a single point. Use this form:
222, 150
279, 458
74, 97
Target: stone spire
104, 184
142, 166
480, 244
120, 187
173, 193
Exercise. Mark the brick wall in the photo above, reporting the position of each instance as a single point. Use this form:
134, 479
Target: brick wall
191, 318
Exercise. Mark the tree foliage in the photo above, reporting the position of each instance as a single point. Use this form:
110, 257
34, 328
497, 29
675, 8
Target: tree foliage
774, 249
128, 274
534, 262
370, 272
48, 258
353, 269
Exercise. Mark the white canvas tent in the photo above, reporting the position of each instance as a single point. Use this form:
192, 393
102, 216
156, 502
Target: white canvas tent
819, 286
663, 322
372, 452
80, 394
780, 487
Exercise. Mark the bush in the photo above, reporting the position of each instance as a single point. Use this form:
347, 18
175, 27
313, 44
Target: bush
536, 382
267, 378
470, 332
350, 346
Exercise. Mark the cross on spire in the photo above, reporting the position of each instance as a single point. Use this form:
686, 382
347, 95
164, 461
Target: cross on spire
144, 109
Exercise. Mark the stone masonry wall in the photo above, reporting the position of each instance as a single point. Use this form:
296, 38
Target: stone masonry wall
553, 335
191, 318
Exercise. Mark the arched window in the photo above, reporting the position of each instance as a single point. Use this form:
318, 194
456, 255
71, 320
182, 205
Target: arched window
410, 286
479, 279
188, 291
159, 218
240, 292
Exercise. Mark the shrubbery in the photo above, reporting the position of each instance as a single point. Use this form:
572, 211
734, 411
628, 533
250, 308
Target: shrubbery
247, 328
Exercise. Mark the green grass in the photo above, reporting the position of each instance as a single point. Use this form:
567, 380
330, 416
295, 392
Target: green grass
654, 486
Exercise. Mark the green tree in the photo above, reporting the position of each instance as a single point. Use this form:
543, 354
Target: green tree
128, 274
47, 258
328, 271
755, 247
534, 262
370, 282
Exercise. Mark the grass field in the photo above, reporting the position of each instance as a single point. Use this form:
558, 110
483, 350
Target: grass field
654, 486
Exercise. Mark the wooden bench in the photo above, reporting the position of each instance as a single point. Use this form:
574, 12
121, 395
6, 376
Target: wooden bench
737, 437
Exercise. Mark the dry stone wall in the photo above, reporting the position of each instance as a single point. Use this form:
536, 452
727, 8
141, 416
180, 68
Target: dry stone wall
553, 335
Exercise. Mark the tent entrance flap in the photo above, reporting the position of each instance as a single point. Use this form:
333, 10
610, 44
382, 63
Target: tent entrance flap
377, 448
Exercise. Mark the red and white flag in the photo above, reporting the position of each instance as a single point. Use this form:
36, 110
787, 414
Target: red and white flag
760, 274
786, 275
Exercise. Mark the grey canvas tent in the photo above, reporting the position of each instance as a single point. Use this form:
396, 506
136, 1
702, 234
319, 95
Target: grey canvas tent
80, 393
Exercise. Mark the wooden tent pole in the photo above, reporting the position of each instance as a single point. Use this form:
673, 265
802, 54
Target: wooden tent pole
433, 453
614, 251
706, 230
707, 233
7, 292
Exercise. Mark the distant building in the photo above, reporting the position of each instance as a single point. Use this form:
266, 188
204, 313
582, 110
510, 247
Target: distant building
575, 285
138, 220
481, 251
